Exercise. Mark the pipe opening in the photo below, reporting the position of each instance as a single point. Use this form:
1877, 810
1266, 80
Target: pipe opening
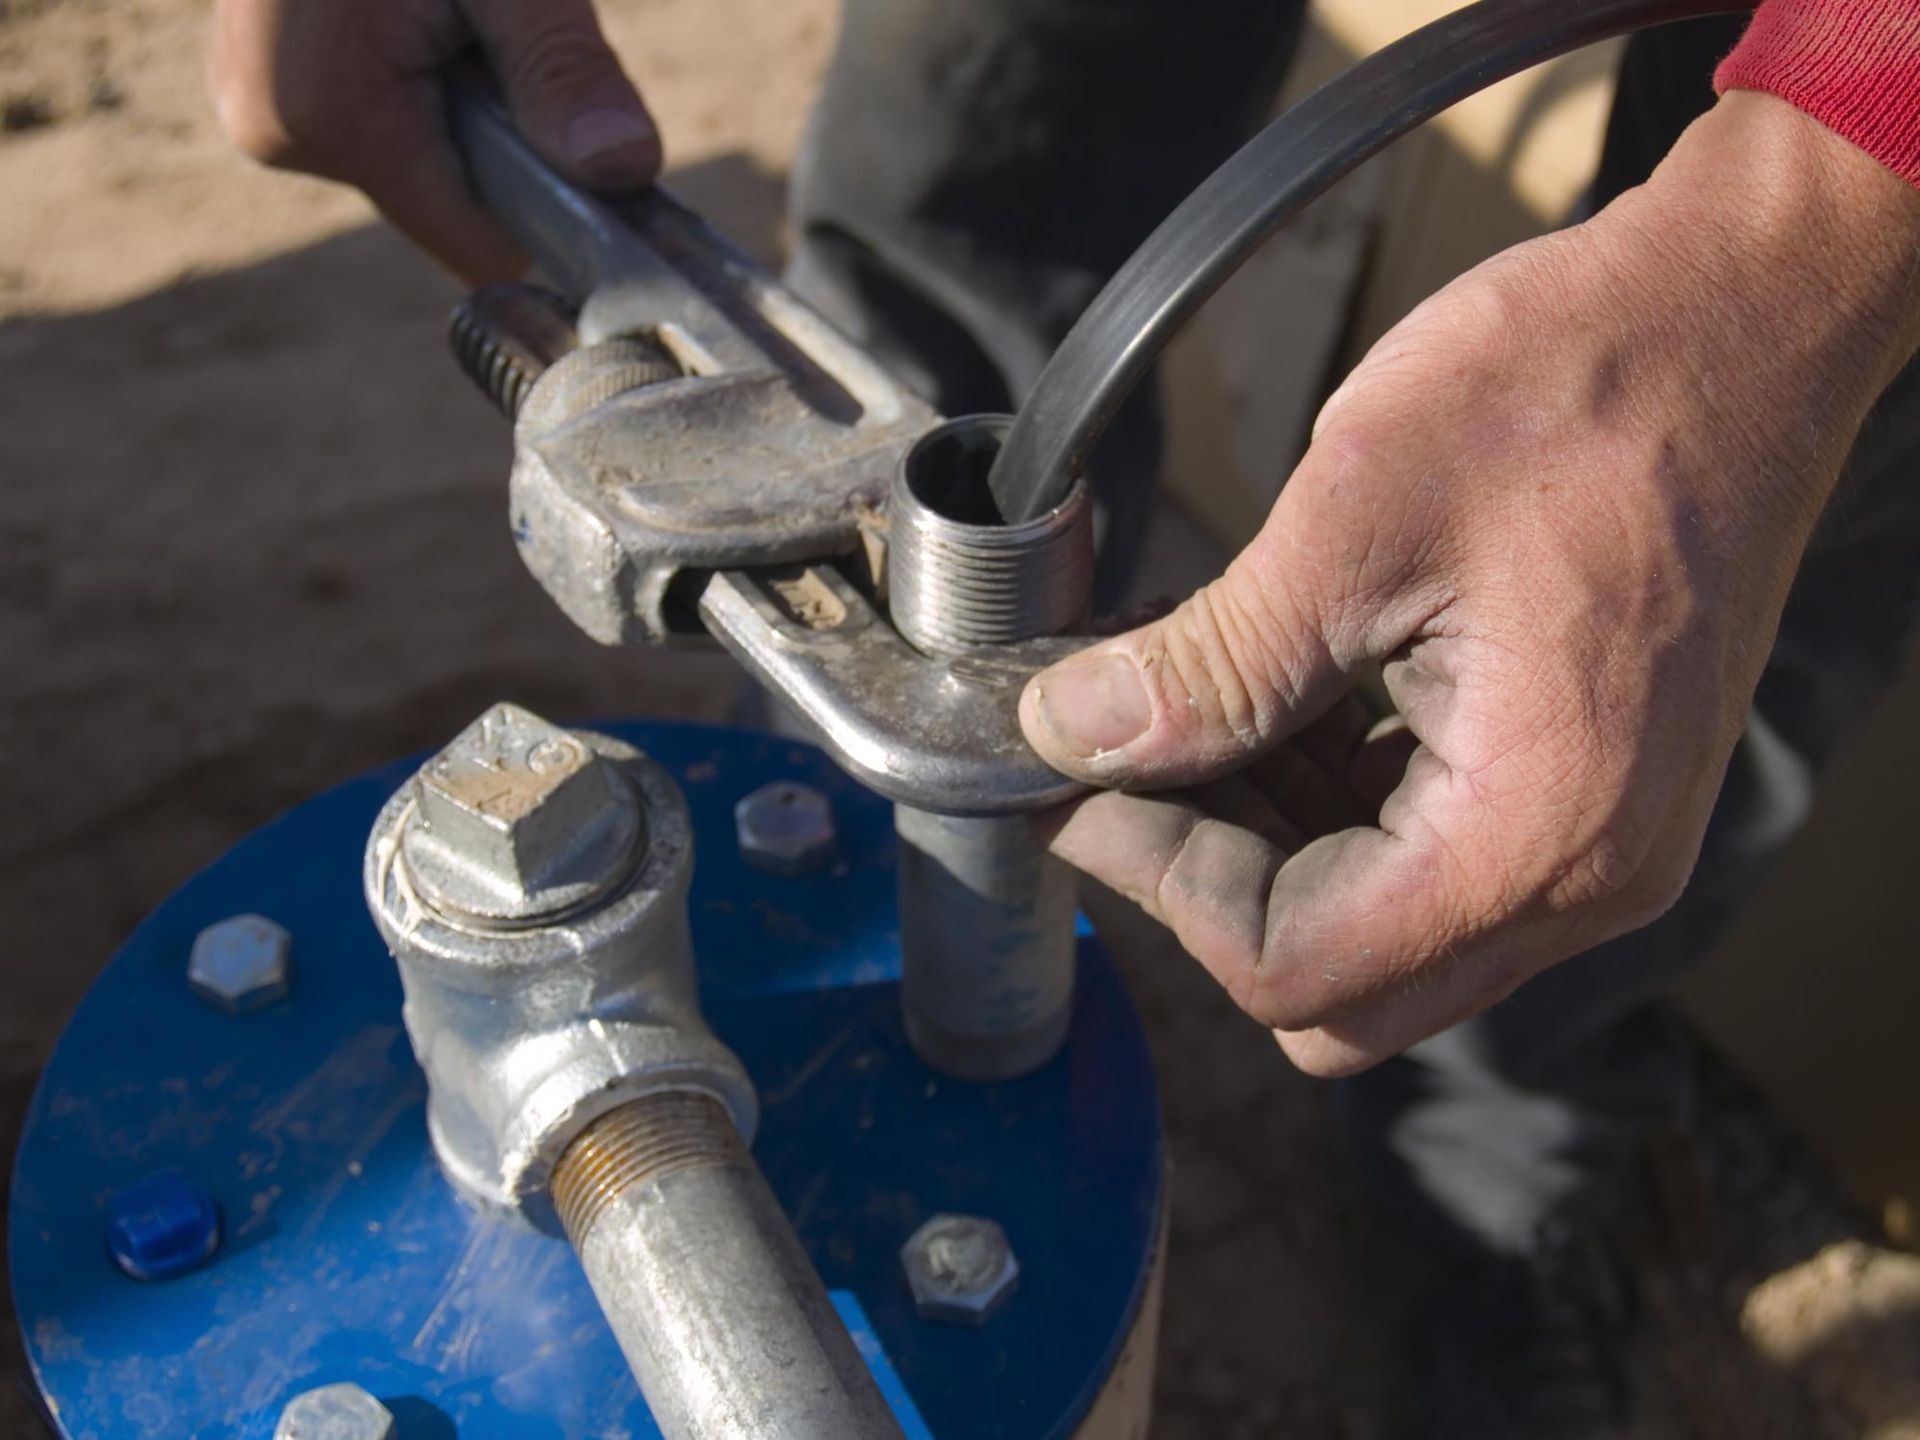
958, 575
947, 469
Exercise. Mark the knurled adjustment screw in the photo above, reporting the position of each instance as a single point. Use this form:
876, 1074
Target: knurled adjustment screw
505, 336
585, 379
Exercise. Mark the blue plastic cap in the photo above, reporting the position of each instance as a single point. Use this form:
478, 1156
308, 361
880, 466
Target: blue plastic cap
162, 1226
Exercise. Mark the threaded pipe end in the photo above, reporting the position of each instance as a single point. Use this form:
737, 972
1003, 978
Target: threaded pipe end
637, 1144
958, 576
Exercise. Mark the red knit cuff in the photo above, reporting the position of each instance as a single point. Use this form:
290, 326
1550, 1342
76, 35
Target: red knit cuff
1854, 65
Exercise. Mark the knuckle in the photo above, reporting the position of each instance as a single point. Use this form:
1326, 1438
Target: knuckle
1282, 1012
257, 131
1619, 884
1205, 660
1315, 1054
1283, 998
1601, 875
1213, 674
1216, 883
550, 64
283, 126
246, 110
308, 117
1656, 890
1607, 870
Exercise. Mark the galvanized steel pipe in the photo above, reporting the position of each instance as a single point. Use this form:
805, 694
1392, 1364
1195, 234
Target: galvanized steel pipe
986, 914
716, 1305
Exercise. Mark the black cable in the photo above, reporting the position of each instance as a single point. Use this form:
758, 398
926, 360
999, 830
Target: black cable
1273, 176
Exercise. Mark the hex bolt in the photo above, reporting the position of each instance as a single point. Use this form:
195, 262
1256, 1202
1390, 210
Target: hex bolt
786, 828
243, 963
341, 1411
162, 1226
961, 1268
519, 820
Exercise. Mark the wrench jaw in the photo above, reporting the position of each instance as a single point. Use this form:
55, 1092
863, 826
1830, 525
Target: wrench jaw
714, 461
941, 735
613, 503
725, 506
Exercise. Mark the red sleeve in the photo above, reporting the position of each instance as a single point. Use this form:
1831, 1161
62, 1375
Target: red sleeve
1854, 65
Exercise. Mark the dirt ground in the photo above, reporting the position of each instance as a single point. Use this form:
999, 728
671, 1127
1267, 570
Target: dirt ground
252, 541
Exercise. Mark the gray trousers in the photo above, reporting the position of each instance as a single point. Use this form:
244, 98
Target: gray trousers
977, 168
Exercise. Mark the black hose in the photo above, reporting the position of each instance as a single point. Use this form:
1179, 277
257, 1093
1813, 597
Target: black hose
1271, 177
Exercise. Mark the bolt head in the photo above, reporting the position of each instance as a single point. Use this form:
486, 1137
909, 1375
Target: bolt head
961, 1268
518, 819
162, 1226
786, 828
242, 963
335, 1412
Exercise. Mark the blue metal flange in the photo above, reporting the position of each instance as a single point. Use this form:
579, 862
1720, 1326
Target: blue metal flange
346, 1257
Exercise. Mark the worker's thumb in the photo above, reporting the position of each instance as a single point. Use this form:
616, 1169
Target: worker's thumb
569, 95
1226, 676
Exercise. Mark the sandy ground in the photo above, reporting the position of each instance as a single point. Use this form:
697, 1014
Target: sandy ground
254, 542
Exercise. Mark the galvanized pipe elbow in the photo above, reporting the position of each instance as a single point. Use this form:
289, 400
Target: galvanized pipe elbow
531, 883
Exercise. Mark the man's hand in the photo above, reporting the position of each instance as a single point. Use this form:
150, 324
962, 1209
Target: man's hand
1562, 504
351, 89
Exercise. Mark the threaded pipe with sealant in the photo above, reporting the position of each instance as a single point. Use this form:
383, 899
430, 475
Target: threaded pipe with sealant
986, 914
718, 1309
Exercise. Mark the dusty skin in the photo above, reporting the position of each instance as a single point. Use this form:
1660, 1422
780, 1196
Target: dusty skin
254, 541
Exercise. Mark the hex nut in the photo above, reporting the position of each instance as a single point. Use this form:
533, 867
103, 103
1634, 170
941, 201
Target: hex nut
341, 1411
242, 963
961, 1268
162, 1226
786, 829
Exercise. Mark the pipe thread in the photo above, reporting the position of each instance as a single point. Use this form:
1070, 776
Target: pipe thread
959, 579
638, 1144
